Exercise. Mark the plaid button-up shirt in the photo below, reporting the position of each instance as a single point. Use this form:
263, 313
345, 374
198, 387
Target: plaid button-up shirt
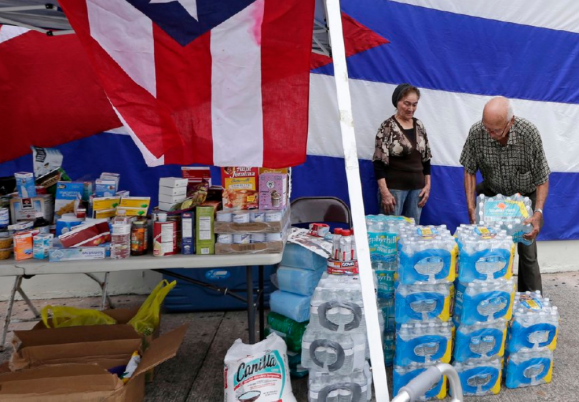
518, 167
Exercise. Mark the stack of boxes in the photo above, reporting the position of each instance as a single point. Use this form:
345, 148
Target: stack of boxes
424, 290
383, 233
484, 299
532, 338
172, 191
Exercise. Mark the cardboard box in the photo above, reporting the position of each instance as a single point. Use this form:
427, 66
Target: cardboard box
172, 199
135, 202
68, 194
129, 211
272, 191
239, 187
196, 174
25, 184
88, 234
57, 254
172, 182
105, 188
27, 208
204, 233
174, 191
102, 203
70, 364
166, 206
187, 233
45, 160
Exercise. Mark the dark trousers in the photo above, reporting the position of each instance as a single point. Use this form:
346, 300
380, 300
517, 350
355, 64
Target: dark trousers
529, 272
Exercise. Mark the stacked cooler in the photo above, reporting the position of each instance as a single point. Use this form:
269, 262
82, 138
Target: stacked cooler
532, 338
299, 272
383, 233
484, 299
334, 347
424, 290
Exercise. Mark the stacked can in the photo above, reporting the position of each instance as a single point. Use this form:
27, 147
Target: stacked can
334, 346
484, 300
383, 234
424, 290
532, 338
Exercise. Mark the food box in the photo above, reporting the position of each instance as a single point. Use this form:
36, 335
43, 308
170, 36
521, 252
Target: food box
204, 231
25, 184
173, 182
196, 174
88, 234
240, 187
45, 160
68, 194
272, 191
27, 208
105, 188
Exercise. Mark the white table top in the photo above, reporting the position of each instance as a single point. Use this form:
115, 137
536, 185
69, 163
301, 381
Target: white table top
43, 267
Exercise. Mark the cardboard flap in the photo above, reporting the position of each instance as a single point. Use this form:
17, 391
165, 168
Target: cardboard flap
59, 336
163, 348
65, 370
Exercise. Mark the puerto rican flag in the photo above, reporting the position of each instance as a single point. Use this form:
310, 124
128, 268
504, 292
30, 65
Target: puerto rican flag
217, 82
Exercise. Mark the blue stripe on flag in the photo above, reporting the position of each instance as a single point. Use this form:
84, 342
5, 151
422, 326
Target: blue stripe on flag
451, 52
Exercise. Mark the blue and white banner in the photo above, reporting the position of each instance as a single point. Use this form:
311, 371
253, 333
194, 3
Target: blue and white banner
460, 54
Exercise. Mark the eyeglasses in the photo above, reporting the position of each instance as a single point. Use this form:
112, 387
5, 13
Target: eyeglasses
496, 131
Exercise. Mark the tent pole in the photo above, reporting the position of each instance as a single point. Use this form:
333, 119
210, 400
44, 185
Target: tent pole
356, 201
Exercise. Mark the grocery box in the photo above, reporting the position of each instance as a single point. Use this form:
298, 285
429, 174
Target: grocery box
25, 184
88, 234
272, 191
240, 187
196, 174
172, 182
68, 194
204, 230
105, 188
71, 364
45, 160
27, 208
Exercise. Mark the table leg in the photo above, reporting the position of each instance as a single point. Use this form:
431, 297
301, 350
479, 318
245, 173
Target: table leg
261, 309
8, 318
250, 303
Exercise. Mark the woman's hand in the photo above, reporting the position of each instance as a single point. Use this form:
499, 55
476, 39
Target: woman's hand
388, 202
423, 196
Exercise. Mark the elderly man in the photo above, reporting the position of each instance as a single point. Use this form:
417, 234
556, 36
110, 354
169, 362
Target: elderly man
508, 152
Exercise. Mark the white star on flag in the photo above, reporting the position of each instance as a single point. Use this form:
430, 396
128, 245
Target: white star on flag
189, 5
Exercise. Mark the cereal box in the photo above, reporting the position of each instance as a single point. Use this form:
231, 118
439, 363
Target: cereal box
239, 187
68, 194
272, 191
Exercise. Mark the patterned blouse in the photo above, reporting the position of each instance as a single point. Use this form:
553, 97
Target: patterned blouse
391, 141
518, 167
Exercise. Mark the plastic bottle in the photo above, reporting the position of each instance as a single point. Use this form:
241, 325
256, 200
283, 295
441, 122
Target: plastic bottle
346, 246
336, 243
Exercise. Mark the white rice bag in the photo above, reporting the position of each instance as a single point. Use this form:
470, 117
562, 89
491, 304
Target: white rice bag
258, 372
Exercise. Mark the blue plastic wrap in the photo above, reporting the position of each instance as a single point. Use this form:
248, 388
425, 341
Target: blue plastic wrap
291, 305
296, 256
296, 280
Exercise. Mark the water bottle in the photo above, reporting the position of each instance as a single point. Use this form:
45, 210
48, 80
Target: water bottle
480, 377
529, 368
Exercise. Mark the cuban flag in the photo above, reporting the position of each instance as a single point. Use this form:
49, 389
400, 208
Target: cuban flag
460, 54
217, 82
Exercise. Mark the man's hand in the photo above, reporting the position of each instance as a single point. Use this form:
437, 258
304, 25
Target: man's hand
424, 194
535, 221
388, 202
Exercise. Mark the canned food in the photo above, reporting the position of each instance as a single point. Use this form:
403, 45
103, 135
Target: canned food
241, 217
225, 238
243, 238
4, 218
273, 216
273, 237
224, 216
258, 237
256, 216
139, 235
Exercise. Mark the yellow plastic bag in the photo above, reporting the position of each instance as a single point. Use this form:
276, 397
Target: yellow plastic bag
148, 316
63, 316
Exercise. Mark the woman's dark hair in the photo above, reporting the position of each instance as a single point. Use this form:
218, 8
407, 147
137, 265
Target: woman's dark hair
401, 91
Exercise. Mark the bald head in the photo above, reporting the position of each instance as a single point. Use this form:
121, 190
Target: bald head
497, 116
497, 111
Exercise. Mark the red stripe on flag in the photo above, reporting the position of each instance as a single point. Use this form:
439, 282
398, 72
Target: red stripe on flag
150, 119
186, 89
49, 94
285, 57
357, 38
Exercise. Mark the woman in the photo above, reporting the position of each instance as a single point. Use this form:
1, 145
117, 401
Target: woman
402, 158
